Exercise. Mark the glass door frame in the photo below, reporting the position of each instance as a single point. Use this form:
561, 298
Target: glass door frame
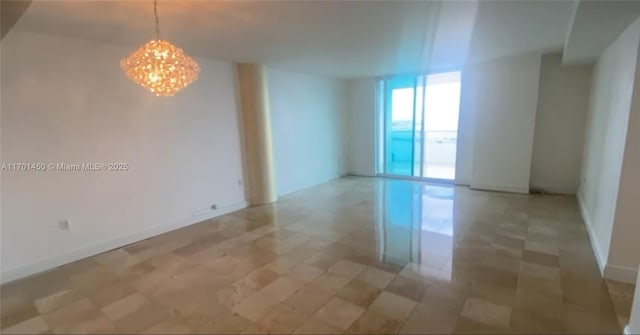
403, 82
381, 123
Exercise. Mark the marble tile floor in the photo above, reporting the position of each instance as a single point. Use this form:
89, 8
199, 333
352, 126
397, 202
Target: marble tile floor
356, 255
622, 297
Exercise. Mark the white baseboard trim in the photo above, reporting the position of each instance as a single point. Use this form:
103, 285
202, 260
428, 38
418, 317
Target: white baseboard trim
356, 174
621, 273
314, 184
602, 262
500, 188
100, 247
609, 271
555, 189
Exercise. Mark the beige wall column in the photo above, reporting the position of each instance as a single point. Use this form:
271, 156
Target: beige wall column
254, 99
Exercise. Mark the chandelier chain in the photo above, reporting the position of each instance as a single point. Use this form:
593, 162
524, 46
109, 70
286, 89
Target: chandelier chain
155, 13
160, 66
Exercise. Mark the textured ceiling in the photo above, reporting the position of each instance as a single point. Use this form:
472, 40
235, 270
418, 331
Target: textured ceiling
335, 38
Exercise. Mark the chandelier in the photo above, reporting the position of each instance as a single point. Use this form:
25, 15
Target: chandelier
159, 66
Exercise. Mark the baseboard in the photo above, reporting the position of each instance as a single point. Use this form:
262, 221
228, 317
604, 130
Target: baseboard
500, 188
555, 189
621, 273
354, 174
602, 262
314, 184
609, 271
100, 247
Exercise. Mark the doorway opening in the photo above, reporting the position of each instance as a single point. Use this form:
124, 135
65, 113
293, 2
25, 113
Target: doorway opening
419, 128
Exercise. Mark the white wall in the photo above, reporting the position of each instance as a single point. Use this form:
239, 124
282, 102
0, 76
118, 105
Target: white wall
361, 104
466, 126
362, 116
308, 119
563, 103
68, 101
606, 134
625, 249
506, 96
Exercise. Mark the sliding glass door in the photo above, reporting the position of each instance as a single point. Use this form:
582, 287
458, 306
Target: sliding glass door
419, 125
400, 126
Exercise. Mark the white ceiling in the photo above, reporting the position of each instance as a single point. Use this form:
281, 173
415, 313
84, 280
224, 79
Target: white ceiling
335, 38
596, 24
511, 27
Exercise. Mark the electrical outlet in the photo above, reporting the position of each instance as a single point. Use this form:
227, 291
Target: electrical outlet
214, 207
64, 225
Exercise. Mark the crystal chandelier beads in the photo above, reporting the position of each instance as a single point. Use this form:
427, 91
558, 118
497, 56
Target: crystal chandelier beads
160, 67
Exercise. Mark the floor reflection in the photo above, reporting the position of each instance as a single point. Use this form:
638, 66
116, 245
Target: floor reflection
416, 222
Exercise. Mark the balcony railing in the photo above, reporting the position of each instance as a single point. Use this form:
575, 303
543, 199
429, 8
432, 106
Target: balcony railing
439, 150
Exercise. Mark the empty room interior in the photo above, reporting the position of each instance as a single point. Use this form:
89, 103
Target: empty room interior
320, 167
